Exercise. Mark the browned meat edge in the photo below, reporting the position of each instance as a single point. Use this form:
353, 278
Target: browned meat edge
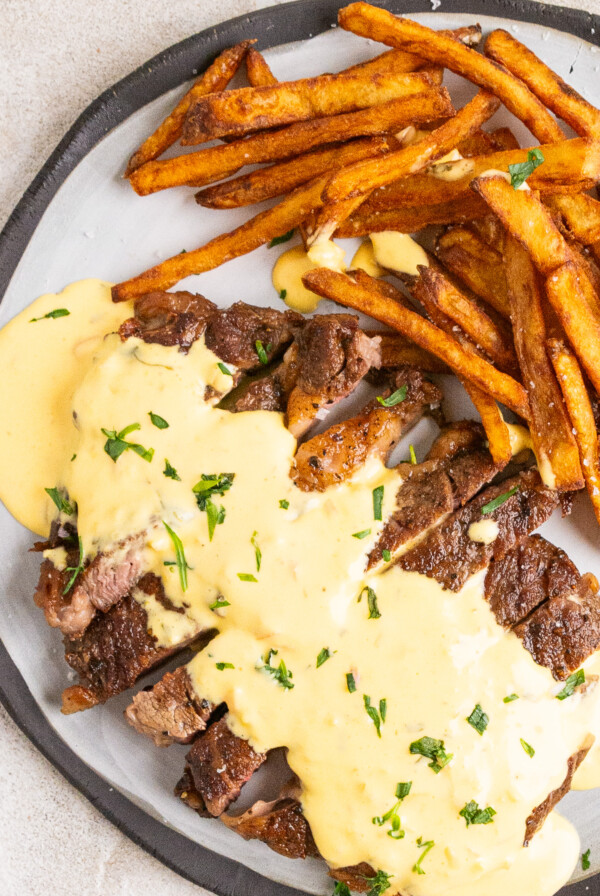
170, 712
541, 812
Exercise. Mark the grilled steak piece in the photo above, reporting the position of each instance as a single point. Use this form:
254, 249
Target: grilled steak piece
232, 333
355, 876
218, 765
449, 556
334, 455
170, 712
169, 318
541, 812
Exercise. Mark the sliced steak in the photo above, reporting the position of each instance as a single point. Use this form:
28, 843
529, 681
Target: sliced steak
217, 766
336, 454
170, 712
232, 333
541, 812
449, 556
169, 318
356, 877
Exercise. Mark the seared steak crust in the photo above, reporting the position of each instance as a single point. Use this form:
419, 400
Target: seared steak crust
541, 812
334, 353
355, 876
232, 333
170, 712
169, 318
280, 824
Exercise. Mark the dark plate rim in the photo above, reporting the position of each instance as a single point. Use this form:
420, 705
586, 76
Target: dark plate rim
273, 26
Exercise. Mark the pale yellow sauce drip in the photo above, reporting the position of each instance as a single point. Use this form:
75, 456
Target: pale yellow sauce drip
364, 260
520, 440
287, 275
432, 654
484, 531
398, 252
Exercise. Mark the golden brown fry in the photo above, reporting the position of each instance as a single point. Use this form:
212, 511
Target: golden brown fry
505, 139
490, 230
580, 324
346, 291
411, 219
216, 77
572, 165
476, 264
362, 178
250, 235
378, 24
578, 404
579, 214
558, 96
266, 183
550, 428
213, 164
257, 69
404, 61
239, 112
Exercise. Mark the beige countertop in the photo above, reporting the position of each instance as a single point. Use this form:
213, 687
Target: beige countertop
56, 56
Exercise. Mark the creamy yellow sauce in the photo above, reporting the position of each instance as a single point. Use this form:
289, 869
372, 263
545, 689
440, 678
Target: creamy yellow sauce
398, 252
484, 531
364, 260
288, 572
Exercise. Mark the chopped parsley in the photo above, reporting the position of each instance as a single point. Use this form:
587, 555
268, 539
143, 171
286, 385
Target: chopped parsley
585, 860
63, 505
115, 443
362, 534
221, 666
472, 814
371, 601
510, 698
224, 369
377, 716
158, 421
478, 719
571, 684
58, 312
261, 352
377, 502
219, 604
387, 555
432, 749
75, 570
379, 884
246, 577
528, 748
350, 682
281, 674
403, 789
170, 472
324, 655
182, 564
284, 238
283, 294
257, 550
284, 504
522, 170
340, 889
395, 832
211, 484
413, 456
393, 399
499, 501
426, 846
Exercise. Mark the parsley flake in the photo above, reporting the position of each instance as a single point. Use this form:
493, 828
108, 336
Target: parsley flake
211, 484
528, 748
413, 456
522, 170
221, 666
387, 555
472, 814
377, 716
284, 238
585, 860
510, 698
393, 399
158, 421
283, 294
350, 682
246, 577
260, 351
571, 684
257, 550
281, 674
58, 312
219, 604
115, 443
371, 601
362, 534
426, 846
379, 883
324, 655
403, 789
182, 564
341, 889
478, 719
284, 504
170, 472
432, 749
377, 502
63, 505
224, 369
75, 570
499, 501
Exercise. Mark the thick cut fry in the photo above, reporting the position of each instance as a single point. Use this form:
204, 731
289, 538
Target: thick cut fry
579, 214
580, 410
250, 235
505, 139
572, 165
404, 61
257, 69
580, 324
490, 230
364, 177
381, 25
346, 291
216, 162
215, 78
478, 265
239, 112
412, 219
550, 428
558, 96
266, 183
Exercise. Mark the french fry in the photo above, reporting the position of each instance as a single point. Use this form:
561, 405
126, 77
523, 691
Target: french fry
580, 323
239, 112
427, 289
216, 77
266, 183
558, 96
381, 25
346, 291
209, 165
572, 165
404, 61
550, 427
580, 216
362, 178
505, 139
257, 70
580, 411
476, 264
250, 235
490, 230
396, 351
411, 219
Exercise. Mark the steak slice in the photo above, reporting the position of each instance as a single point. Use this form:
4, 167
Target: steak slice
336, 454
541, 812
217, 766
232, 333
169, 318
170, 712
357, 877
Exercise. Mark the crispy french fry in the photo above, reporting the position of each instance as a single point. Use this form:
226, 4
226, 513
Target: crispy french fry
411, 219
579, 214
550, 427
505, 139
478, 144
396, 351
572, 165
216, 162
346, 291
257, 69
215, 78
381, 25
364, 177
558, 96
404, 61
250, 235
580, 411
476, 264
239, 112
266, 183
490, 230
580, 323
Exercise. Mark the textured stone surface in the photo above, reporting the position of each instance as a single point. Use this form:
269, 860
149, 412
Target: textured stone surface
56, 56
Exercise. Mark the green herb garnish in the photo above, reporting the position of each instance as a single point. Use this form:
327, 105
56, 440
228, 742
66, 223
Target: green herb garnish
170, 472
257, 550
182, 564
478, 719
426, 846
362, 534
158, 421
75, 570
528, 748
387, 555
324, 655
432, 749
413, 456
510, 698
393, 399
377, 502
284, 238
499, 501
379, 884
371, 601
211, 484
377, 716
283, 294
280, 673
224, 369
522, 170
219, 604
221, 666
260, 351
58, 312
246, 577
585, 860
472, 814
63, 505
284, 504
403, 789
350, 682
571, 684
115, 443
340, 889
